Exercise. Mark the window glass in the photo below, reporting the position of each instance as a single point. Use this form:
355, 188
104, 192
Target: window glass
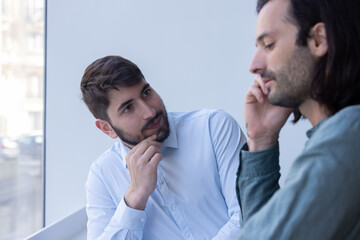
21, 117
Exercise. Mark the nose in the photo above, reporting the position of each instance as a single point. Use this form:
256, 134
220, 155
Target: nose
258, 62
147, 111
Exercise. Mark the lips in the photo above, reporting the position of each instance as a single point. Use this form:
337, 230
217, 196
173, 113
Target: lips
267, 76
267, 82
154, 124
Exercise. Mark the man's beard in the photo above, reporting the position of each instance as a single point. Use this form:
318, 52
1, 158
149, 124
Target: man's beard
133, 140
291, 85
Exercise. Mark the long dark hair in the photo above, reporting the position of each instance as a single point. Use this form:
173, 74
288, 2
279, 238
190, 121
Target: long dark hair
336, 79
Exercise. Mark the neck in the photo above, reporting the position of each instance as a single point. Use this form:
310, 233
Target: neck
313, 111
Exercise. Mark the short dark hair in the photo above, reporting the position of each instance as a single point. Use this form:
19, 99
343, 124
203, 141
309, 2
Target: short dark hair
102, 75
336, 78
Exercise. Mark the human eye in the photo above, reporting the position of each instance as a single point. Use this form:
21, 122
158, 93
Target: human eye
147, 92
269, 46
127, 108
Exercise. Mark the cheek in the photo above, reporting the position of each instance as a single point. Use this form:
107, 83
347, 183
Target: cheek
276, 58
278, 62
157, 103
127, 123
131, 122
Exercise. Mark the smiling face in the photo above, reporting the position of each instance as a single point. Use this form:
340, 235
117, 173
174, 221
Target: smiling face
135, 113
284, 66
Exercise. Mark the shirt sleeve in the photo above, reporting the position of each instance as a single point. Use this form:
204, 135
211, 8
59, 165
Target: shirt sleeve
320, 198
227, 139
257, 179
105, 219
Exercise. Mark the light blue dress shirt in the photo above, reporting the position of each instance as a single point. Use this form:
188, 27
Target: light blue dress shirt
195, 195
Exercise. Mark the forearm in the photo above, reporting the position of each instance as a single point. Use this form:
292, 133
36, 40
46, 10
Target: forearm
108, 219
230, 230
257, 180
124, 223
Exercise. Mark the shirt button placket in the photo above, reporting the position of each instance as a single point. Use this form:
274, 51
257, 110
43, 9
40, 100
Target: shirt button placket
179, 219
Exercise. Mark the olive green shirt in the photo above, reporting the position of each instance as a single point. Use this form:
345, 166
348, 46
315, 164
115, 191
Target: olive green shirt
321, 195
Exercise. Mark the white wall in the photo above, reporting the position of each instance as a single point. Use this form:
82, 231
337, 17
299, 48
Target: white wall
194, 53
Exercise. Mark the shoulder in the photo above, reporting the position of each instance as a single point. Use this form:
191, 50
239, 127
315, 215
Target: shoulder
192, 115
215, 122
347, 118
331, 157
223, 126
344, 125
335, 146
201, 114
106, 160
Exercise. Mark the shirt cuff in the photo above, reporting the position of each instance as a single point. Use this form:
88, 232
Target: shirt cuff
130, 218
259, 163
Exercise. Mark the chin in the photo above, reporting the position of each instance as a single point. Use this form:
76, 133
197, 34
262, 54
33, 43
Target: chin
162, 135
284, 102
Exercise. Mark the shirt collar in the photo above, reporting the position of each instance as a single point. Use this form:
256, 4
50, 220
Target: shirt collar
312, 130
171, 141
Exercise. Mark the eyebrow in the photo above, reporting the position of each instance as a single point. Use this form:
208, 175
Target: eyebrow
124, 104
262, 36
144, 88
130, 100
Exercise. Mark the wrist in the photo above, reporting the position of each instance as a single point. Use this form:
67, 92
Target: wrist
256, 145
135, 200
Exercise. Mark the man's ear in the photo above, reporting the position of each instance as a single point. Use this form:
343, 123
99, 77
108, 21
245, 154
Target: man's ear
318, 42
106, 128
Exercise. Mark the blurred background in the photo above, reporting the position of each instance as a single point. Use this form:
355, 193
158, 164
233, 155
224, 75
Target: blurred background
21, 117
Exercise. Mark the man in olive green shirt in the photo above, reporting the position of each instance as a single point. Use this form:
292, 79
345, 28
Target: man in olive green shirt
308, 59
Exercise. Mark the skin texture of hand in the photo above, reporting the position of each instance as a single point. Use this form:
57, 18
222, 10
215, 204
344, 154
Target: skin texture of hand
142, 162
263, 120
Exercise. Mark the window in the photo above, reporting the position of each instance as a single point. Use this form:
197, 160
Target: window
21, 117
34, 86
6, 7
35, 10
35, 42
35, 119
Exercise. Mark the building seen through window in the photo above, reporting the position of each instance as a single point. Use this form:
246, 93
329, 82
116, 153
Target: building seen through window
21, 117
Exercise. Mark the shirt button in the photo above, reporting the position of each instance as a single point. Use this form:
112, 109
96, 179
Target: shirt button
161, 182
142, 219
187, 234
173, 207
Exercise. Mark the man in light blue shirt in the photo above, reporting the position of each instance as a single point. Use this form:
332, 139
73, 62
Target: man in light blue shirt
170, 175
